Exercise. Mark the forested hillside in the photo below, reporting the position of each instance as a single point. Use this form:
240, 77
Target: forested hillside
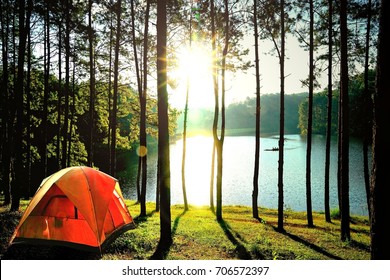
241, 119
241, 116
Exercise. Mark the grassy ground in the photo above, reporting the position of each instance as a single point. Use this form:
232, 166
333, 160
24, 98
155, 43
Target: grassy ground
198, 235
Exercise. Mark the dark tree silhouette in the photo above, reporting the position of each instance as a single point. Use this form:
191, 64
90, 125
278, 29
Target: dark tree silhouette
47, 55
281, 132
118, 11
310, 119
255, 193
5, 104
329, 111
380, 191
67, 79
183, 161
142, 100
17, 183
344, 125
218, 140
27, 186
91, 83
139, 86
58, 142
212, 179
109, 99
367, 101
163, 135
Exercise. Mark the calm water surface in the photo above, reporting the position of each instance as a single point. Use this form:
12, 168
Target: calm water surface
238, 157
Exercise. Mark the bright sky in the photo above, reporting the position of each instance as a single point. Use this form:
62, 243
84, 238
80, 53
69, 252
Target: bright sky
243, 85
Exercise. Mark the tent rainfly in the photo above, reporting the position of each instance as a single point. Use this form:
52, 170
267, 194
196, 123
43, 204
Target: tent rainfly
78, 207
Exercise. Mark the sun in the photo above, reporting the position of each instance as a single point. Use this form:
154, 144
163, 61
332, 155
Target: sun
194, 65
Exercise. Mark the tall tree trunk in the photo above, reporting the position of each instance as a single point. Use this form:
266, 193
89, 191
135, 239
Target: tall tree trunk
91, 84
255, 193
58, 144
20, 118
110, 121
72, 114
163, 135
219, 140
143, 98
310, 120
158, 187
67, 85
27, 187
380, 191
281, 133
47, 54
139, 86
344, 172
5, 119
212, 178
367, 105
183, 161
215, 84
118, 12
329, 112
339, 152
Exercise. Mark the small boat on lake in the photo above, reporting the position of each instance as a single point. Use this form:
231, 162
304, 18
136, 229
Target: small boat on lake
273, 149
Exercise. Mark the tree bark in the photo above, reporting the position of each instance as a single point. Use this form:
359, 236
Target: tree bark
91, 84
143, 98
72, 115
310, 120
212, 178
367, 105
344, 99
67, 84
281, 133
27, 187
183, 161
380, 191
46, 90
110, 110
163, 135
19, 96
216, 98
5, 120
118, 11
139, 86
219, 140
58, 146
255, 193
329, 111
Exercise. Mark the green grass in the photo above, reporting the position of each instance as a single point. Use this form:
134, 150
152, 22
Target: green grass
198, 235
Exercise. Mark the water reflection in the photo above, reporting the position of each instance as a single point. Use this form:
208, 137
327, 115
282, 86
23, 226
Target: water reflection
238, 173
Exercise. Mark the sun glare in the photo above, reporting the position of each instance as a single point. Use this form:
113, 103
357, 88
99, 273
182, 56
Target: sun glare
199, 150
194, 64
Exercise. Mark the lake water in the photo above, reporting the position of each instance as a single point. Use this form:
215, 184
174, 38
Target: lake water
238, 157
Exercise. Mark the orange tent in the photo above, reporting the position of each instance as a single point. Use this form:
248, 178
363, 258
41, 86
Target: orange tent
78, 207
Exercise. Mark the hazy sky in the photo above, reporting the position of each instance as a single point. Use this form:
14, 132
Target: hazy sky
296, 69
242, 85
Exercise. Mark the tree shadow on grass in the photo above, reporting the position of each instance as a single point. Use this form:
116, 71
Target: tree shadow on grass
164, 246
310, 245
176, 222
142, 219
241, 251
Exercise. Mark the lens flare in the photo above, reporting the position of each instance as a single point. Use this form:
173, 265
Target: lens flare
142, 151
